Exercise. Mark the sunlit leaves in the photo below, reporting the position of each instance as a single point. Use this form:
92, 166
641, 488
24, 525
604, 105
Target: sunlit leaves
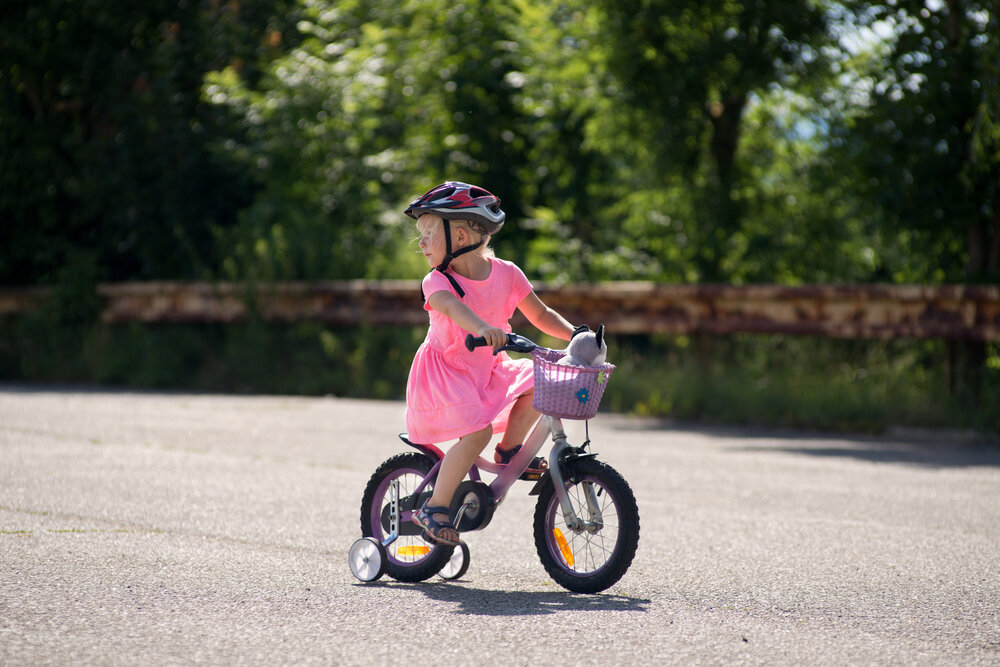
684, 141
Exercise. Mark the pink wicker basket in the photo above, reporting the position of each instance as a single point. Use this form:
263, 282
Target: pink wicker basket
569, 392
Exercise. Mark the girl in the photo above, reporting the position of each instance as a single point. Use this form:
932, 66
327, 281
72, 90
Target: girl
451, 392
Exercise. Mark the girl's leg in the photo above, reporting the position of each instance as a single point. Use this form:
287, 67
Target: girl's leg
454, 466
522, 417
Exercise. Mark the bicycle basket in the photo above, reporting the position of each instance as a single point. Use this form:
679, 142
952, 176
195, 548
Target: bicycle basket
569, 392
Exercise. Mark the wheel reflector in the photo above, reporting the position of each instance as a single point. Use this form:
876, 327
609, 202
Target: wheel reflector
418, 550
563, 547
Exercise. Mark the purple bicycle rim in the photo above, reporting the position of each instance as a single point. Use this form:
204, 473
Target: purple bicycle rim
381, 493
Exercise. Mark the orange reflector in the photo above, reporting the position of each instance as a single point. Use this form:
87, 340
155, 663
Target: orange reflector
418, 550
563, 547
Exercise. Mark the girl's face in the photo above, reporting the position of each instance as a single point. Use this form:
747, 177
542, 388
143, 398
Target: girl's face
431, 238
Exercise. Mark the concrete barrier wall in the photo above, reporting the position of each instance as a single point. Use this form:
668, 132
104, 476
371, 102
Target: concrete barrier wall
970, 312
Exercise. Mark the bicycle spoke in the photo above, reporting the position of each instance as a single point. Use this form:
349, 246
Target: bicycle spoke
590, 551
406, 548
595, 554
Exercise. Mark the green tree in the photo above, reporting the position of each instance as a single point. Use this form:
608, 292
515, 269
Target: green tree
927, 147
689, 70
378, 102
925, 139
802, 223
104, 134
579, 157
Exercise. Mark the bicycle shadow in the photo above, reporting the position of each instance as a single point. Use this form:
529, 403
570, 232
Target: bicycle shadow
474, 601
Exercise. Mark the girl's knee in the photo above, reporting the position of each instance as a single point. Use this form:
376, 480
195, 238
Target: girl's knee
481, 436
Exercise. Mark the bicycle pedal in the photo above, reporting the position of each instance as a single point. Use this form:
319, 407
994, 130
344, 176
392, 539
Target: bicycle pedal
532, 476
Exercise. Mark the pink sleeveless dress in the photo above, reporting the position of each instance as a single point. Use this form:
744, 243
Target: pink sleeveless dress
452, 392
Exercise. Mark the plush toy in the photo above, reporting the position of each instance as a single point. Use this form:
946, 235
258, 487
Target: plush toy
586, 348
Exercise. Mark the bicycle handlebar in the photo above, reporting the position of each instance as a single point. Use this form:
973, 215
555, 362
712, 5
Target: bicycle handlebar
472, 342
515, 343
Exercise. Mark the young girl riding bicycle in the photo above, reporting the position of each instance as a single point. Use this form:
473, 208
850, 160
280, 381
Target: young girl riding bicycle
451, 392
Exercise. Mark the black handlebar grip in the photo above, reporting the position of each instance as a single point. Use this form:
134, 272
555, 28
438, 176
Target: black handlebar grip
472, 342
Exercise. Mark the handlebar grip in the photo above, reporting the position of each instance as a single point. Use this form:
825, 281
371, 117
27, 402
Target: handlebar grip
472, 342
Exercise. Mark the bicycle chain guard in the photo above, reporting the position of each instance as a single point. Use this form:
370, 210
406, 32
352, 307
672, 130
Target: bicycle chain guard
472, 506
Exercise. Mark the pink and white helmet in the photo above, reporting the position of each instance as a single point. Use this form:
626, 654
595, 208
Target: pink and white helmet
455, 200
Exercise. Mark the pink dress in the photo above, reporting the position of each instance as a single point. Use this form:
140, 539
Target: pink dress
452, 392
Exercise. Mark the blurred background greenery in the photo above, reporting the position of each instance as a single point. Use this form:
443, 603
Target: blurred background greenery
719, 141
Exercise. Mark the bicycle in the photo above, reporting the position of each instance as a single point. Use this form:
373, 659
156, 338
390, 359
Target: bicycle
586, 521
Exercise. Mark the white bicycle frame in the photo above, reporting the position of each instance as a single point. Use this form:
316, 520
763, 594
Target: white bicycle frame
511, 472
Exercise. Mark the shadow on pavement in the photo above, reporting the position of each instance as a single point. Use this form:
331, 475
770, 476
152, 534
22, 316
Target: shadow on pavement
931, 456
930, 448
482, 602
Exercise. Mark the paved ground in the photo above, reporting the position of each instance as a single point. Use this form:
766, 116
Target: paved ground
146, 528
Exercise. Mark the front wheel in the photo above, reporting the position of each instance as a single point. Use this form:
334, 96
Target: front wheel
594, 556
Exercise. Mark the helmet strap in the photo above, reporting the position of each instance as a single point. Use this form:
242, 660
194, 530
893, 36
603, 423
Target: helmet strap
449, 255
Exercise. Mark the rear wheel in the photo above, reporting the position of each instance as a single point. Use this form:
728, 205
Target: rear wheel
592, 557
412, 557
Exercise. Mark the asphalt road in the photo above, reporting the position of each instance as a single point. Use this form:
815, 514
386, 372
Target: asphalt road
180, 529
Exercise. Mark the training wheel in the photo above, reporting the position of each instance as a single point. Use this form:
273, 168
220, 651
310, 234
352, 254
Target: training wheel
367, 559
458, 564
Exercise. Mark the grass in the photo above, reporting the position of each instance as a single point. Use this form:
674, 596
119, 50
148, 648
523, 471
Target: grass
774, 381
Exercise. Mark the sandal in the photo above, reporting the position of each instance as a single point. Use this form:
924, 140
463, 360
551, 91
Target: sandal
535, 469
424, 517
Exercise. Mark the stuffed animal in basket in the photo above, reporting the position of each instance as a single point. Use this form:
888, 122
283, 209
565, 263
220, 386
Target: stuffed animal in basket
586, 348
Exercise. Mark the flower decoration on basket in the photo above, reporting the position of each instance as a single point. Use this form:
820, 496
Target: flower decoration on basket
583, 395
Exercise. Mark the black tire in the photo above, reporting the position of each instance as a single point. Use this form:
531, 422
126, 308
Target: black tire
593, 561
412, 557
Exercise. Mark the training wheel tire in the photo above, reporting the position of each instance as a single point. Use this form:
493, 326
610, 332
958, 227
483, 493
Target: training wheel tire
458, 564
367, 559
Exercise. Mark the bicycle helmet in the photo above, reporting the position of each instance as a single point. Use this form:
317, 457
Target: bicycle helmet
454, 200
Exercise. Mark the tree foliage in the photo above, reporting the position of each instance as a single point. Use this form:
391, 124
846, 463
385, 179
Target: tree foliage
105, 138
924, 142
725, 140
693, 67
731, 140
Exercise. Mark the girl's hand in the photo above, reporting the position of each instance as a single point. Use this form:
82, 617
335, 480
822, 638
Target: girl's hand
494, 336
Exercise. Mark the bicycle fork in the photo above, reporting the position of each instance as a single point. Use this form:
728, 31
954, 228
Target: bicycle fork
595, 521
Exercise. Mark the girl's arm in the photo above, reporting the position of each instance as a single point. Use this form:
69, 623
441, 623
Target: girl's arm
544, 318
448, 304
